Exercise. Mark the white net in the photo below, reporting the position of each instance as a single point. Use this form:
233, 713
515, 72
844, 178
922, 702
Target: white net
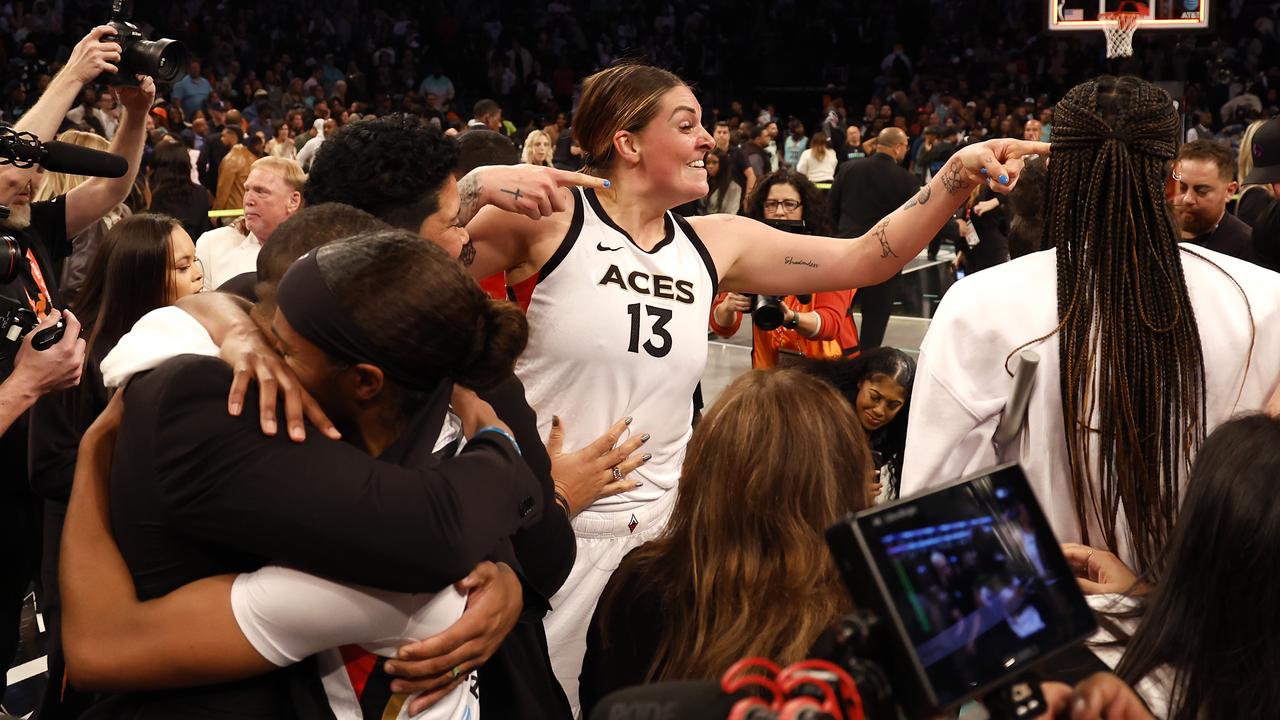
1119, 29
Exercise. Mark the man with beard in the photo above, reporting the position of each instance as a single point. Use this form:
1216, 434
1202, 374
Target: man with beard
1204, 174
42, 233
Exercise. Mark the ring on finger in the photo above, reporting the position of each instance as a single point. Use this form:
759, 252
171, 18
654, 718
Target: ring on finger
455, 672
617, 473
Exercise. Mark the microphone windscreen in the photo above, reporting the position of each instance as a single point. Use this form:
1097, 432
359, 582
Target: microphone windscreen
674, 700
76, 160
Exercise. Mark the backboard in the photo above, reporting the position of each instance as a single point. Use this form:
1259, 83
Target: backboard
1155, 14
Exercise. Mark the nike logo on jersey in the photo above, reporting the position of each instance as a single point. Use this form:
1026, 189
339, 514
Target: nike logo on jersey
600, 246
659, 286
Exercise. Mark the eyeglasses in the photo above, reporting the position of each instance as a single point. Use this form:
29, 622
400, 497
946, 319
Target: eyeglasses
772, 206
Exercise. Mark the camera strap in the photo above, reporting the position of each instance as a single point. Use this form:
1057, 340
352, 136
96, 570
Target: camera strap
42, 304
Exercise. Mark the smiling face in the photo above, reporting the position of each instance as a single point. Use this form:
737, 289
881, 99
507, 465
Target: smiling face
672, 147
880, 398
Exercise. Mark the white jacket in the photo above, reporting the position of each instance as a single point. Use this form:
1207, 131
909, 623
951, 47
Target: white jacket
961, 385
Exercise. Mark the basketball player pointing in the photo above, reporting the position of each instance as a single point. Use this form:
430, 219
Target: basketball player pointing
619, 315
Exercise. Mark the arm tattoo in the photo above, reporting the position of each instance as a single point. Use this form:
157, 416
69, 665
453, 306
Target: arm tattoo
469, 197
919, 199
951, 179
882, 234
794, 261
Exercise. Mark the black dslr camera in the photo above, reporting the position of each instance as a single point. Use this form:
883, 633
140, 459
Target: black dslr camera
766, 310
16, 320
164, 59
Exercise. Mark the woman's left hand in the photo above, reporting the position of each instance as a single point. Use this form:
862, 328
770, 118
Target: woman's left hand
995, 162
251, 357
435, 666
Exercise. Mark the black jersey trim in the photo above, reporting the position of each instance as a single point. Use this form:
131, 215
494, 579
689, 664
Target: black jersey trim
668, 228
570, 237
702, 251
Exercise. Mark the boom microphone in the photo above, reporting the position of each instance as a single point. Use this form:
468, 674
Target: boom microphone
24, 149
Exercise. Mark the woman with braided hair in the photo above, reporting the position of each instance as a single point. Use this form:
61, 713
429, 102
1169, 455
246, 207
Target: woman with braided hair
1145, 345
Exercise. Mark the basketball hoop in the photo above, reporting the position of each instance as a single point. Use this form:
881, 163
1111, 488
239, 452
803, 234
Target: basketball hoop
1119, 28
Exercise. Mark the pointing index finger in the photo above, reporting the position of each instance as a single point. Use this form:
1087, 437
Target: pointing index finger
566, 178
1022, 148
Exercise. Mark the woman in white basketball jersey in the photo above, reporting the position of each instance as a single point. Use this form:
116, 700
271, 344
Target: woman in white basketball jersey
618, 318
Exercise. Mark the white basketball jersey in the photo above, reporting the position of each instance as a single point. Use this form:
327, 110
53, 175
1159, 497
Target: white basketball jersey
615, 331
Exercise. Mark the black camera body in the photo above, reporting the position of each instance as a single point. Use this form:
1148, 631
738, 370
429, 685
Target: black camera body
164, 59
766, 310
16, 320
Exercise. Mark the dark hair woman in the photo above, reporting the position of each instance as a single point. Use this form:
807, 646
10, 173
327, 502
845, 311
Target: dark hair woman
814, 325
144, 262
639, 281
877, 384
724, 194
742, 568
172, 191
1197, 643
373, 327
1131, 375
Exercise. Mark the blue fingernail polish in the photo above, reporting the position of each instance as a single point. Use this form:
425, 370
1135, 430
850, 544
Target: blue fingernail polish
1004, 179
606, 183
983, 171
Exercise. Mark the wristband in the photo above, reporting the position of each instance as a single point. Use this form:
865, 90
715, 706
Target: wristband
500, 431
563, 502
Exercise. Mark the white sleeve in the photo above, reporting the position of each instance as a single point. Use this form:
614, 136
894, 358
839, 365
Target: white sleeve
802, 166
958, 395
161, 334
289, 615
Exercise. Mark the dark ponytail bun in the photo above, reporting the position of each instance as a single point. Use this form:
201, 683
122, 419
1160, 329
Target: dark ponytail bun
500, 339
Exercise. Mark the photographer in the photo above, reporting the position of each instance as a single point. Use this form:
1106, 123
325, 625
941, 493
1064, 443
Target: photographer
41, 231
90, 58
819, 327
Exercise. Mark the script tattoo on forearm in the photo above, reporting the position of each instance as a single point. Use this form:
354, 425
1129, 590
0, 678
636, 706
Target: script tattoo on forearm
468, 197
882, 234
794, 261
951, 176
920, 198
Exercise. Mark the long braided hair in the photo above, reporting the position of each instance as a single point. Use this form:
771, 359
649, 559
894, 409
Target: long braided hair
1131, 359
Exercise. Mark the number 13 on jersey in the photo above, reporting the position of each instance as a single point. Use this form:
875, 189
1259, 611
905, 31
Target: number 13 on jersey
659, 317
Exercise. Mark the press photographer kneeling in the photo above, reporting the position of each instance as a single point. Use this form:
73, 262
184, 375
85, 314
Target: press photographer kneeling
815, 326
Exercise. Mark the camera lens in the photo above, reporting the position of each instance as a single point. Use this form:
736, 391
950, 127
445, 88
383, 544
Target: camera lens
164, 60
766, 312
10, 259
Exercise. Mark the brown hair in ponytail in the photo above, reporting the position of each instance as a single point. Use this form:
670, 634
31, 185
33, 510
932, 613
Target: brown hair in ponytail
420, 308
1131, 361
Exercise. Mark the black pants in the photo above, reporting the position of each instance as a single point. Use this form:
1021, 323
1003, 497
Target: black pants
876, 302
20, 530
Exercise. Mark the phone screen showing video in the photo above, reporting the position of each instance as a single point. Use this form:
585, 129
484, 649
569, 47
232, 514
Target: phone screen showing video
978, 581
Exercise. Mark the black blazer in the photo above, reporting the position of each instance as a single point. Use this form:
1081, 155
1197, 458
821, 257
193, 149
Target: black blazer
867, 190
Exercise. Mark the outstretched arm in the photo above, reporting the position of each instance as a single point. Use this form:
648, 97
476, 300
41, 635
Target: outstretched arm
754, 257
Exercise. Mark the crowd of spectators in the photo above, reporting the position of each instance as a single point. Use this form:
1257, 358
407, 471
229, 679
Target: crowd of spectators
275, 90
